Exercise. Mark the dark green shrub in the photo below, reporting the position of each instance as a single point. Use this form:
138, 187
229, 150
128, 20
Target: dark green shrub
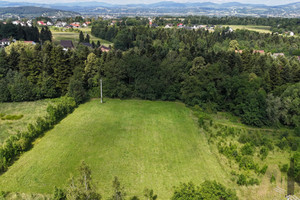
134, 198
272, 179
294, 143
12, 117
247, 149
264, 151
3, 194
48, 88
295, 171
20, 88
263, 169
284, 168
229, 151
4, 92
242, 180
206, 191
247, 163
77, 91
245, 180
59, 194
253, 181
200, 121
283, 143
297, 131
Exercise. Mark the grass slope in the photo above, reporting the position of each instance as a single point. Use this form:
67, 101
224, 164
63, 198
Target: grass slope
146, 144
260, 29
30, 110
74, 36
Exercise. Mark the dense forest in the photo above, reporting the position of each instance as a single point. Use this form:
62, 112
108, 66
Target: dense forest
125, 38
25, 33
197, 67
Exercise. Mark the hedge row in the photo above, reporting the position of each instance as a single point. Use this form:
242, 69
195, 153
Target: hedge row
17, 144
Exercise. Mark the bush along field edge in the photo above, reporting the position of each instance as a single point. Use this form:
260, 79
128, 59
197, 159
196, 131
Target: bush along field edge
246, 149
21, 142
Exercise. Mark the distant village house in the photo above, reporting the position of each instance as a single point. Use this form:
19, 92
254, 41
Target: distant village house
104, 48
66, 44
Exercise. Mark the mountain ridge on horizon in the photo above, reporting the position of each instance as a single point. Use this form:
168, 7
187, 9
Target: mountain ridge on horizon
156, 4
170, 8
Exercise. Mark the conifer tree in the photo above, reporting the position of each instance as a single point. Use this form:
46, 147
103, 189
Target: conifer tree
87, 38
81, 37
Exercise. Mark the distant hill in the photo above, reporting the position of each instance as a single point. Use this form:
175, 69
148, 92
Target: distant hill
32, 11
167, 8
181, 9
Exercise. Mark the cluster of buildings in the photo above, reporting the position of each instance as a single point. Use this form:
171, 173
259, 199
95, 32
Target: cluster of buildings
62, 24
194, 27
68, 44
17, 22
59, 24
6, 42
262, 52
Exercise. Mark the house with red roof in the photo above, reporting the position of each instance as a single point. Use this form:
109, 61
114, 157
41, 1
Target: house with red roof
77, 25
41, 23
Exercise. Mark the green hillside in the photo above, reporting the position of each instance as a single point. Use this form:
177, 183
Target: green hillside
34, 11
146, 144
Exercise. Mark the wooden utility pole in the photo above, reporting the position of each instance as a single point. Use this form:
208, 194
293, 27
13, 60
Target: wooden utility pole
101, 91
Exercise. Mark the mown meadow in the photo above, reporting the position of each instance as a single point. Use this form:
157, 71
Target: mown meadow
147, 144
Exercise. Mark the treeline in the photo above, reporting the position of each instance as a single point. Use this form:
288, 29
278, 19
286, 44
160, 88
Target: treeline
102, 30
187, 65
279, 25
33, 72
19, 32
82, 187
125, 37
197, 67
26, 33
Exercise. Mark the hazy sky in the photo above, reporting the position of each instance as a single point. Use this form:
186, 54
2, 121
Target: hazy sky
267, 2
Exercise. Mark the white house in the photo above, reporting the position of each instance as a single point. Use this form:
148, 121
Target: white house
16, 22
292, 33
29, 23
6, 42
169, 26
49, 24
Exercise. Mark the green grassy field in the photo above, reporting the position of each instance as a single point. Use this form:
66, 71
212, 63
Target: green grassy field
30, 110
261, 29
146, 144
74, 36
